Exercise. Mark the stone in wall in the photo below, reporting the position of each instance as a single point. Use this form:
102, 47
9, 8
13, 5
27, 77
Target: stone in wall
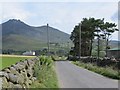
19, 75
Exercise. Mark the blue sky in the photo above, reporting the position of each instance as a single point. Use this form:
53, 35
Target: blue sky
62, 15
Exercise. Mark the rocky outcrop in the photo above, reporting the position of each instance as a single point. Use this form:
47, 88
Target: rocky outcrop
19, 75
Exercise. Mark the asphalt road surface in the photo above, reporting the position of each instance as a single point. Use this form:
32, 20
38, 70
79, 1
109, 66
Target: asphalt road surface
72, 76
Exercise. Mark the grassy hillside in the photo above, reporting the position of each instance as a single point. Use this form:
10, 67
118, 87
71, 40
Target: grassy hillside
18, 42
17, 35
55, 35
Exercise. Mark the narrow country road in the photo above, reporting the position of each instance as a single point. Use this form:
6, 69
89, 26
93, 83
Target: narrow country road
72, 76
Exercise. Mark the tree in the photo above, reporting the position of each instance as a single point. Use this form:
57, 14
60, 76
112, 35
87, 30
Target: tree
91, 28
88, 27
107, 29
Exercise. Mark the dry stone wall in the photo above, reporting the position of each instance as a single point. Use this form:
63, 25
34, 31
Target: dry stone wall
19, 75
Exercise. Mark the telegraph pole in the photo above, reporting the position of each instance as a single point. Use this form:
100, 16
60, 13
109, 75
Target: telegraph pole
98, 47
68, 46
79, 41
48, 39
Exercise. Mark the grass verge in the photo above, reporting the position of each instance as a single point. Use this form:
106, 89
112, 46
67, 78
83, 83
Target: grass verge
105, 71
45, 74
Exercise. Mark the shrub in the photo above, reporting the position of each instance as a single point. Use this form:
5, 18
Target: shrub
45, 74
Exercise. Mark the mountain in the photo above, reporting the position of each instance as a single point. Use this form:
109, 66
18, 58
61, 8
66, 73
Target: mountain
114, 44
17, 35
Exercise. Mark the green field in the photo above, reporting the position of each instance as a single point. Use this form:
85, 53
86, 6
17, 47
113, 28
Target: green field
9, 60
45, 73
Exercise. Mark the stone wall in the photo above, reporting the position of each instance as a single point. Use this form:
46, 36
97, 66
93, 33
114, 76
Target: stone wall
19, 75
101, 61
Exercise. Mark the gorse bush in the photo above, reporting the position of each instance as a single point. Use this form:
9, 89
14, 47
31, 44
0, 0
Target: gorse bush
42, 65
44, 60
45, 73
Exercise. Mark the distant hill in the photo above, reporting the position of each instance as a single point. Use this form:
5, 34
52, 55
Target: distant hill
112, 43
17, 35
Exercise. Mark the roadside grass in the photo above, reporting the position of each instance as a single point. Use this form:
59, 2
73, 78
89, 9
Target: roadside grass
7, 61
105, 71
45, 74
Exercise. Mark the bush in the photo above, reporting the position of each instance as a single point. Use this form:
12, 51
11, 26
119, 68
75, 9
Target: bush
45, 74
44, 60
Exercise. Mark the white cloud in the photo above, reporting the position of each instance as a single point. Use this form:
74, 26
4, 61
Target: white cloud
73, 16
114, 36
14, 10
63, 16
59, 0
0, 12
